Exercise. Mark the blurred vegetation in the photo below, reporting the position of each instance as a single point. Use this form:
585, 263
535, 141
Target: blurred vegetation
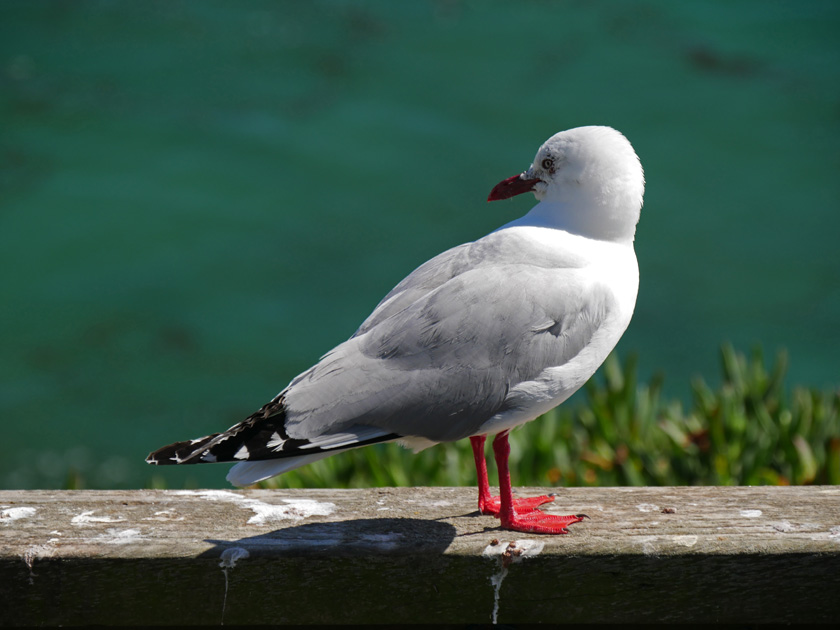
749, 429
746, 431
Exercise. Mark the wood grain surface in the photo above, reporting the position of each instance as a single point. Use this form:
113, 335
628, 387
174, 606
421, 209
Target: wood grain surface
417, 555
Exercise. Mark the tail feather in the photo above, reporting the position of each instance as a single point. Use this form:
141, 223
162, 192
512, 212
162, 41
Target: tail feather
262, 436
247, 473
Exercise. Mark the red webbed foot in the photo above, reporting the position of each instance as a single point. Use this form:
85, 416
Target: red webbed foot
519, 515
487, 503
537, 522
492, 505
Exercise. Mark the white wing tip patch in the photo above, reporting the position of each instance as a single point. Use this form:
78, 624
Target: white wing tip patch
276, 442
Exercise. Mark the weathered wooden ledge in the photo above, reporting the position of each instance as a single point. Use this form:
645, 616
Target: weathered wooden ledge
419, 555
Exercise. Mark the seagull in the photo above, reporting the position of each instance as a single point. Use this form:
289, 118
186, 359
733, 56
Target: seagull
480, 339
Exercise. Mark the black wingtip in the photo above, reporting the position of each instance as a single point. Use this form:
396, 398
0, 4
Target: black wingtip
188, 452
261, 436
165, 456
222, 447
161, 457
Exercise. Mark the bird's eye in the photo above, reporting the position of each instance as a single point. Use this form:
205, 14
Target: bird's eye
547, 164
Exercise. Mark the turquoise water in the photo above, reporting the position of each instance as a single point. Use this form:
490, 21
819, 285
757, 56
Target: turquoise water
197, 200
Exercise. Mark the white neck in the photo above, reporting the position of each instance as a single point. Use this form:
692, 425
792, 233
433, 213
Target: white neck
604, 224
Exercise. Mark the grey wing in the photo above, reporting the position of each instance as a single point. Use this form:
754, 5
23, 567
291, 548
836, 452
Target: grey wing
419, 283
442, 365
503, 247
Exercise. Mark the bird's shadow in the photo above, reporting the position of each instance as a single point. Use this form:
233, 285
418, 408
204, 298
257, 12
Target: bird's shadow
379, 535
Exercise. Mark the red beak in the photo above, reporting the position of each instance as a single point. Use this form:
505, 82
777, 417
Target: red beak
511, 187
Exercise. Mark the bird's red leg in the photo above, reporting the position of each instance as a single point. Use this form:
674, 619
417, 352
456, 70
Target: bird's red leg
487, 503
529, 521
485, 499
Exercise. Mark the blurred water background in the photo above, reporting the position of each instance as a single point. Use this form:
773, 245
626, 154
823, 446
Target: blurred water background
198, 199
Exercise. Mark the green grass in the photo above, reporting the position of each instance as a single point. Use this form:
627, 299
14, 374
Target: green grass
747, 431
